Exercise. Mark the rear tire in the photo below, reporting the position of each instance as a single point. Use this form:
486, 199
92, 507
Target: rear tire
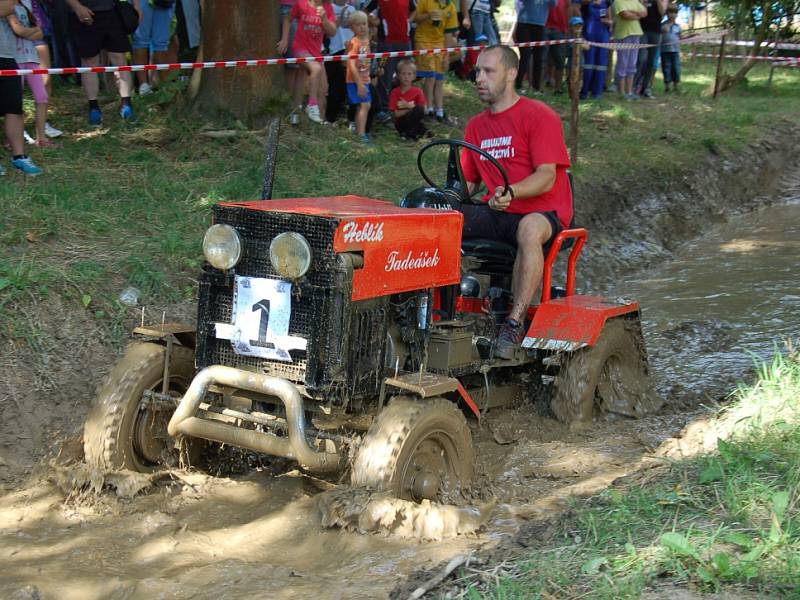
609, 377
118, 434
416, 449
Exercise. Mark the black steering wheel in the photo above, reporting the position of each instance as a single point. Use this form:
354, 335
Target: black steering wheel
455, 175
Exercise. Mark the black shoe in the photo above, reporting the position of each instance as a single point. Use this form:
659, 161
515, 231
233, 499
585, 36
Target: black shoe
443, 118
509, 339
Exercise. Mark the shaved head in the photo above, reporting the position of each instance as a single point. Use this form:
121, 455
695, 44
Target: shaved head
508, 57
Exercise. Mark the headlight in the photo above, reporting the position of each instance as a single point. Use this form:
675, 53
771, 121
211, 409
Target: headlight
222, 247
290, 255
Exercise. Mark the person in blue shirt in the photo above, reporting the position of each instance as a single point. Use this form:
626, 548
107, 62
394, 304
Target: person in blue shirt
670, 51
597, 28
531, 19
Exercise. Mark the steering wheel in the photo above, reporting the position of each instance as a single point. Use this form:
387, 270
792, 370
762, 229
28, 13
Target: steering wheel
455, 175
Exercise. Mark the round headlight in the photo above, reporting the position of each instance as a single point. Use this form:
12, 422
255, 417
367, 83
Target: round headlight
222, 247
290, 255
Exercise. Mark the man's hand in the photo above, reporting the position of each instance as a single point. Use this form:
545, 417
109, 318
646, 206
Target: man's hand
282, 45
435, 15
85, 15
362, 90
466, 22
501, 201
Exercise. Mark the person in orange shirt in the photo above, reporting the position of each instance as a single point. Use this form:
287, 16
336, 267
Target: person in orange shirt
358, 88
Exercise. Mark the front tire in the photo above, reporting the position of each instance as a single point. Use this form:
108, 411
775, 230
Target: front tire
609, 377
119, 433
416, 449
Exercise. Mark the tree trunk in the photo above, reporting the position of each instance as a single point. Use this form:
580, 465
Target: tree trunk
238, 29
726, 82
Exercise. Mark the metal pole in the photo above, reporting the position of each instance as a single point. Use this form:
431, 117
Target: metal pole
574, 92
719, 65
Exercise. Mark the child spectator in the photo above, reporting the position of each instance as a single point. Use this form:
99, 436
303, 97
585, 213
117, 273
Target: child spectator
315, 19
595, 59
435, 19
670, 51
358, 72
27, 31
43, 48
407, 102
152, 35
336, 70
627, 31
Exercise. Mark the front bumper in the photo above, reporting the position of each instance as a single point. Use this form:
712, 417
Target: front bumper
185, 420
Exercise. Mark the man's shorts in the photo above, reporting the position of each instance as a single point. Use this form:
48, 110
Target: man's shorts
10, 90
153, 32
429, 65
482, 222
354, 98
105, 33
557, 54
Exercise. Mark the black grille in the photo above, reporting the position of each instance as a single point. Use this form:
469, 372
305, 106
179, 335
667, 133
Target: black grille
322, 312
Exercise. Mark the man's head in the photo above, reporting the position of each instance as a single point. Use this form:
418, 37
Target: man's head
406, 72
495, 73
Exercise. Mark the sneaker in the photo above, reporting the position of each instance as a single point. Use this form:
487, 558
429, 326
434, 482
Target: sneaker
383, 116
648, 93
95, 116
2, 170
51, 131
443, 118
365, 139
509, 339
26, 165
294, 118
312, 112
28, 138
126, 112
352, 126
145, 89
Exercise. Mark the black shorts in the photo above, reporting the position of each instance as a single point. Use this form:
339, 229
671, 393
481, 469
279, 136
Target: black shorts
482, 222
105, 33
10, 89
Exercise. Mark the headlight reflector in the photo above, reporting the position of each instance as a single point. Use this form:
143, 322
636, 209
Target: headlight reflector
290, 255
222, 247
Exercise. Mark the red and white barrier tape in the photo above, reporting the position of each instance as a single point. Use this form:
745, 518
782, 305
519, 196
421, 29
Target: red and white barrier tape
787, 62
776, 59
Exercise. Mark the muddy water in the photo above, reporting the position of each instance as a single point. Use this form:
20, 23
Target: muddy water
726, 299
726, 295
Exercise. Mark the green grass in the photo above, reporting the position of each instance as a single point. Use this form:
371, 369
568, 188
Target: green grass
725, 521
128, 204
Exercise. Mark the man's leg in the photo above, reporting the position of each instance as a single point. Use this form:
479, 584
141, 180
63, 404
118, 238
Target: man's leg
14, 125
91, 85
533, 232
124, 79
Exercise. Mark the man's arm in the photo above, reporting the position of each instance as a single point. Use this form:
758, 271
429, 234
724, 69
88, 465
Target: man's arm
662, 6
6, 8
540, 181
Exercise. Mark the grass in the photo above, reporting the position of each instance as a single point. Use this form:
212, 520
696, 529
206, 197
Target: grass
726, 521
127, 204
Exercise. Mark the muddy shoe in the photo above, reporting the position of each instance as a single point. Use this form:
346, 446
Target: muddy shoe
509, 339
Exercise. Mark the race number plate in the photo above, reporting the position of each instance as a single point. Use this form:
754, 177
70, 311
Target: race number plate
261, 311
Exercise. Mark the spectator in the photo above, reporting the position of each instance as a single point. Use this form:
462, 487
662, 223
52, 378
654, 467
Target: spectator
358, 72
627, 31
189, 29
295, 77
670, 51
651, 27
43, 50
336, 70
315, 19
407, 102
27, 31
595, 60
435, 20
96, 26
11, 96
151, 40
478, 20
531, 19
556, 29
394, 17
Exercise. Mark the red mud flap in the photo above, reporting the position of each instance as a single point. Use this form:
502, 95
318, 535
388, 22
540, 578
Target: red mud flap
573, 322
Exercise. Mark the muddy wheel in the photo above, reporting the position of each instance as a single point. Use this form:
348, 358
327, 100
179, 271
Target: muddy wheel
119, 434
416, 449
609, 377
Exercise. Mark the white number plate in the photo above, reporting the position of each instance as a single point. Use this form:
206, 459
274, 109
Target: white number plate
261, 311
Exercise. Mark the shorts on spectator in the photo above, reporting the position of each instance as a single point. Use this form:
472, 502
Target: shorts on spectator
105, 33
556, 54
626, 59
483, 222
354, 98
154, 30
36, 83
429, 65
10, 89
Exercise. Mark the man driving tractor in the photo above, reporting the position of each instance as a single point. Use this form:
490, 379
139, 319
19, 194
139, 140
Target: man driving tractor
527, 138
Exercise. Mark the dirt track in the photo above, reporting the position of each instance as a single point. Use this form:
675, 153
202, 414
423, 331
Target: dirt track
255, 534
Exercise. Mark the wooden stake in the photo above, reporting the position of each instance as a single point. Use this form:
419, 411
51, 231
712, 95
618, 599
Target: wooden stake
574, 92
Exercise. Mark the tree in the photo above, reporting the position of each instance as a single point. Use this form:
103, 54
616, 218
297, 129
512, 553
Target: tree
238, 29
760, 19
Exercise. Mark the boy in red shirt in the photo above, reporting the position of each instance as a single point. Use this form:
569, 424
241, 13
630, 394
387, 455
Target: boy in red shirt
315, 20
358, 88
407, 102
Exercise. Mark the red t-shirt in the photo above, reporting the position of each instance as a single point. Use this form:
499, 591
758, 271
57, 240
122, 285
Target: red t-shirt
558, 17
308, 39
521, 138
412, 94
395, 14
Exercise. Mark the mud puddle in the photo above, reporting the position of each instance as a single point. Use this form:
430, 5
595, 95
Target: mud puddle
725, 296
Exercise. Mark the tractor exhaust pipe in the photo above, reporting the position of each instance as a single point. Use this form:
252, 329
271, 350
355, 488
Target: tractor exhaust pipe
185, 420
